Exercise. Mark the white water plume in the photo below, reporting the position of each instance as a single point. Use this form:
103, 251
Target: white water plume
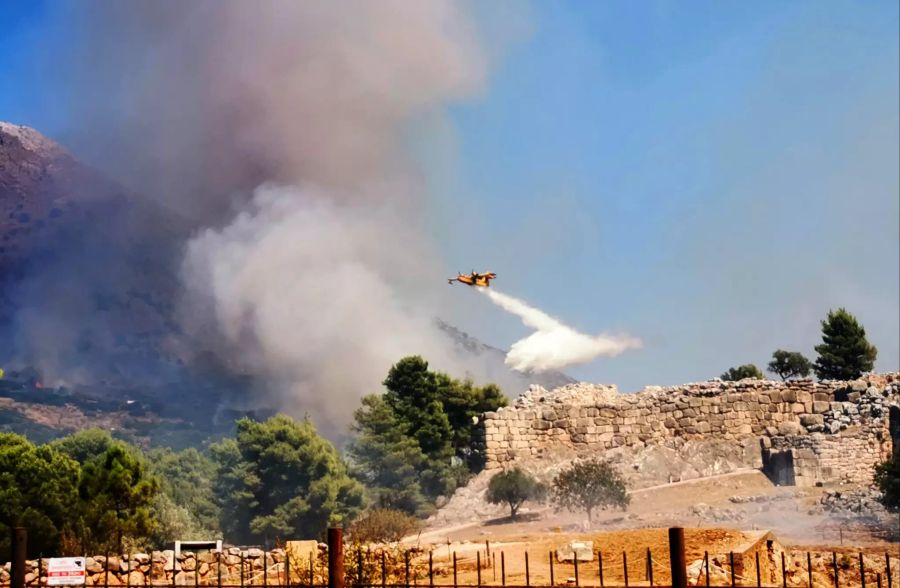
554, 345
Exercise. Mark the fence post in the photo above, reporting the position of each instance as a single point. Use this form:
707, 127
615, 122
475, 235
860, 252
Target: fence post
758, 575
809, 568
503, 570
650, 566
335, 558
359, 565
406, 566
312, 568
862, 571
478, 566
625, 567
706, 564
455, 584
527, 574
40, 567
731, 562
19, 548
384, 569
676, 557
242, 571
575, 560
887, 568
287, 568
430, 569
600, 567
265, 570
835, 566
552, 582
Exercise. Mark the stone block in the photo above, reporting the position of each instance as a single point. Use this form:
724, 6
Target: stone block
582, 550
808, 420
820, 406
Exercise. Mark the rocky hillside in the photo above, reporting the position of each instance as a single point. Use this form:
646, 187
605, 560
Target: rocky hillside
89, 332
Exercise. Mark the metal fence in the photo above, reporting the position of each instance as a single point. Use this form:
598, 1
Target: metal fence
343, 566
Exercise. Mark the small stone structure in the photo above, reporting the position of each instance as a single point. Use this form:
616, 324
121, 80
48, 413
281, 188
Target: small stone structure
807, 432
189, 569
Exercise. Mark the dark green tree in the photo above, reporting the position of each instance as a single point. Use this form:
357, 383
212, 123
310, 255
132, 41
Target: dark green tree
85, 445
845, 353
589, 485
513, 487
421, 427
38, 490
887, 477
117, 493
186, 484
789, 364
741, 372
386, 460
280, 479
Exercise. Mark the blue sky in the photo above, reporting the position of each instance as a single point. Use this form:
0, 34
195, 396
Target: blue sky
711, 177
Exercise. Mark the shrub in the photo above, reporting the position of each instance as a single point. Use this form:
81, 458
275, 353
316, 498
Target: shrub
382, 525
589, 485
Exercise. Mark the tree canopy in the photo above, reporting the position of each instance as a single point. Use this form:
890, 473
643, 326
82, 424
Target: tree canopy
38, 490
589, 485
748, 370
117, 492
789, 364
407, 438
845, 353
513, 487
280, 478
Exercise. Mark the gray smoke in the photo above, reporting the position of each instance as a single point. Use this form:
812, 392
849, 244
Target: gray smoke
280, 129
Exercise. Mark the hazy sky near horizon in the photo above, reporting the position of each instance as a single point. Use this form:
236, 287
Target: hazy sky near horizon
710, 177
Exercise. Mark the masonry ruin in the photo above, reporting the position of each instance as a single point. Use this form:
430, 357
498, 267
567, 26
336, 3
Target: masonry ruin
798, 432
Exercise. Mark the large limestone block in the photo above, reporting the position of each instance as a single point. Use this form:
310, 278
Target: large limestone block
583, 550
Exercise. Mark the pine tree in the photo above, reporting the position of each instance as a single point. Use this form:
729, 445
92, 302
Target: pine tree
845, 353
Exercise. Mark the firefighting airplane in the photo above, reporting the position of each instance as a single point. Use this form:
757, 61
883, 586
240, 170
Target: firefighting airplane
474, 279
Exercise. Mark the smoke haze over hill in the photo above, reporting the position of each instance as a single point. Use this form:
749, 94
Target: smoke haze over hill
278, 131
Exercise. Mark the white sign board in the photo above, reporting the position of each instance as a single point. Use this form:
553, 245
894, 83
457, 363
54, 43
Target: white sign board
65, 571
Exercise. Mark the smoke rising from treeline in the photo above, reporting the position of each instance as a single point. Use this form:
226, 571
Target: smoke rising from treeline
279, 130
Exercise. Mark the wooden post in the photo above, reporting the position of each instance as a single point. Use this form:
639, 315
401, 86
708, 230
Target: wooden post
706, 564
575, 560
406, 566
335, 558
287, 568
650, 566
455, 583
809, 568
758, 575
676, 557
478, 566
625, 567
430, 570
862, 571
219, 568
503, 570
527, 573
384, 570
887, 568
552, 582
731, 560
265, 569
835, 567
600, 567
19, 550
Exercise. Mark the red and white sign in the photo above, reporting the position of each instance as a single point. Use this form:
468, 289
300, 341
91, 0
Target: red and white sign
65, 571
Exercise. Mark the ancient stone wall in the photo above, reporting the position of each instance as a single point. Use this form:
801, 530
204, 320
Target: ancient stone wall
831, 430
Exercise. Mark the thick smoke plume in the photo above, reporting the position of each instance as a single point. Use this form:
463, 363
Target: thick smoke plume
280, 131
554, 345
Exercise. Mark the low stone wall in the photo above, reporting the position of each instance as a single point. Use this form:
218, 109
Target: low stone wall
832, 430
161, 568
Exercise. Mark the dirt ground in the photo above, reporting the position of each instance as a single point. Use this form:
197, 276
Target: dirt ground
740, 512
